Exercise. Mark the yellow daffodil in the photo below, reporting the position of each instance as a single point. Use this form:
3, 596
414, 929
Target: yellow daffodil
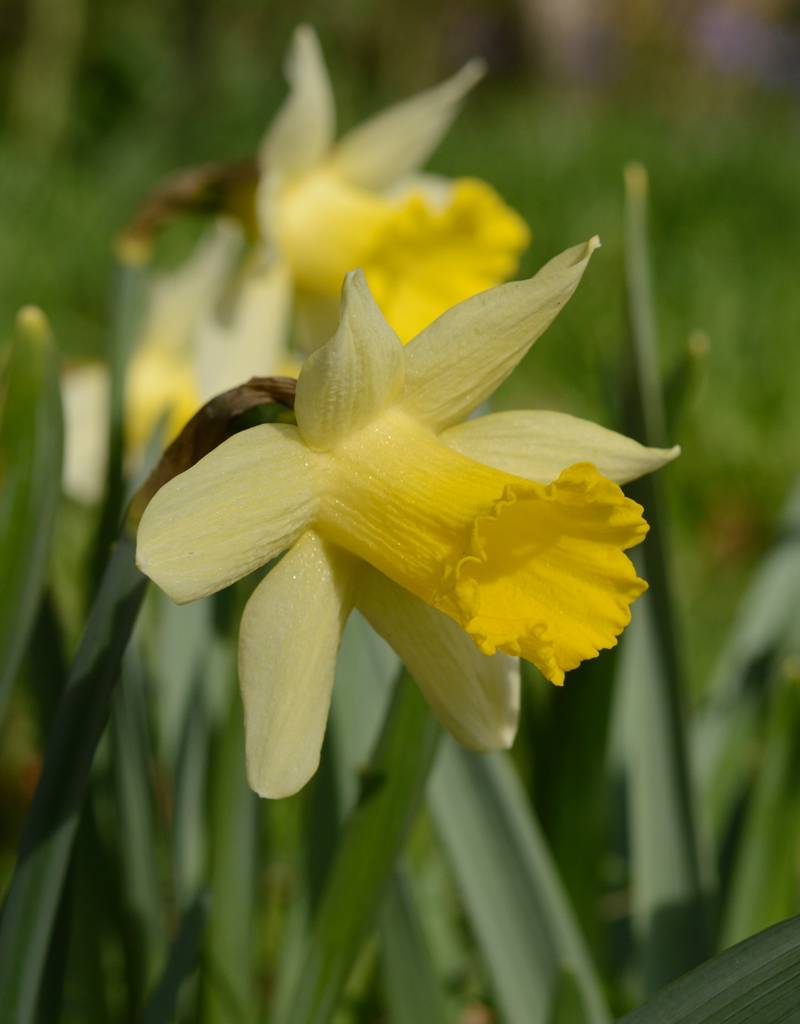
464, 542
323, 209
326, 207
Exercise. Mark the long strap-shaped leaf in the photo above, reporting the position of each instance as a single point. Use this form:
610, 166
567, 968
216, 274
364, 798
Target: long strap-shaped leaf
727, 724
182, 960
372, 838
30, 466
512, 893
755, 982
32, 900
667, 889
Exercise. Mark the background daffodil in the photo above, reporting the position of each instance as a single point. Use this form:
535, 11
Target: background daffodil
325, 206
462, 543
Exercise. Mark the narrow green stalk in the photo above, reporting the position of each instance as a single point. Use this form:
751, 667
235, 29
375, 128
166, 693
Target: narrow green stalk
668, 896
228, 980
30, 456
127, 307
135, 805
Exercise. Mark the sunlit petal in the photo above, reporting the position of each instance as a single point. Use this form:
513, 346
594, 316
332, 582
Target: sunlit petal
290, 633
475, 696
461, 358
305, 126
400, 139
538, 445
240, 506
347, 382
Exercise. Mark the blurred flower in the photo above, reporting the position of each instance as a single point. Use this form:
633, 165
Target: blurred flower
183, 357
463, 543
325, 207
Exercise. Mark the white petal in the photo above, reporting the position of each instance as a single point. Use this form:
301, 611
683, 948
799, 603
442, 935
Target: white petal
254, 342
85, 395
244, 503
347, 382
399, 140
461, 358
304, 127
475, 697
290, 633
537, 445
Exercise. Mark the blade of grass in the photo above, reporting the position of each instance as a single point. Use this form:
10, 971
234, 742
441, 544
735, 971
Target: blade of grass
413, 992
764, 886
182, 960
228, 979
135, 804
191, 782
668, 899
33, 896
30, 456
757, 980
371, 841
128, 302
724, 729
519, 912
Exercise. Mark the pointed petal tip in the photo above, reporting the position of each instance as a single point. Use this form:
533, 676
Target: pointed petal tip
473, 71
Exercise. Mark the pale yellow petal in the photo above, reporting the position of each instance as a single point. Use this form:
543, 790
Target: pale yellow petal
304, 127
461, 358
475, 696
538, 445
349, 381
399, 140
290, 633
254, 340
240, 506
85, 396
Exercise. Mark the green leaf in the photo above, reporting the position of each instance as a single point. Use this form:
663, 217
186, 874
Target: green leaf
128, 304
33, 896
228, 979
372, 838
725, 730
667, 885
135, 802
413, 992
182, 961
756, 982
31, 435
764, 886
512, 894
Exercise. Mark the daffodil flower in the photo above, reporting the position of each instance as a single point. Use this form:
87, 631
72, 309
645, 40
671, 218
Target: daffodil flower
464, 542
326, 207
